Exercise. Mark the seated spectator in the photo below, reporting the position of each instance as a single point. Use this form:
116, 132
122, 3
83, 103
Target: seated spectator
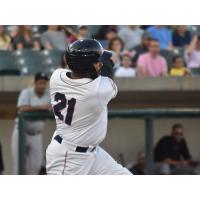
139, 167
116, 45
142, 47
152, 64
163, 34
110, 34
181, 36
54, 39
106, 29
192, 53
83, 32
125, 70
172, 153
1, 161
178, 68
5, 40
131, 36
24, 39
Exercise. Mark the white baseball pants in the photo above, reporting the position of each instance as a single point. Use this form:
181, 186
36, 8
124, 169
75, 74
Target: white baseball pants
33, 154
62, 159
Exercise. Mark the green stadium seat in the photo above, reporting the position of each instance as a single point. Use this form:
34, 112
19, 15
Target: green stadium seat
7, 64
168, 55
29, 62
178, 52
52, 58
195, 71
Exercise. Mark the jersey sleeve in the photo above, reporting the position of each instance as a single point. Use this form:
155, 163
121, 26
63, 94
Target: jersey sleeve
107, 91
24, 98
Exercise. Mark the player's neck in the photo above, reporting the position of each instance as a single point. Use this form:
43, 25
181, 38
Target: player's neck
75, 76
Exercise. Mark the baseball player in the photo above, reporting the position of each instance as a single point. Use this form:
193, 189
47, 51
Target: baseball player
32, 99
79, 99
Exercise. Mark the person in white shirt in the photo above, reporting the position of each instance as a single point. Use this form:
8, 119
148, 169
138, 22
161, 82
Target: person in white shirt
125, 70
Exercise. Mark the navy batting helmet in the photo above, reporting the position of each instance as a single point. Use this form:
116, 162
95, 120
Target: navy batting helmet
82, 54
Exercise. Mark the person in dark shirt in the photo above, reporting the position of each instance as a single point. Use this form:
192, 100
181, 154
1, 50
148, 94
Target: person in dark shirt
142, 47
1, 161
173, 152
181, 36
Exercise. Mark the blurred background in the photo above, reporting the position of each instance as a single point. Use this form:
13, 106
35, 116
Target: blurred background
156, 67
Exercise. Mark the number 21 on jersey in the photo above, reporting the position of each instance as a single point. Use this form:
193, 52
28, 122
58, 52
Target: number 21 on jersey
63, 103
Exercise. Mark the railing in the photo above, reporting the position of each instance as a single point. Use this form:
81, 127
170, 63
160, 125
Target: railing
147, 114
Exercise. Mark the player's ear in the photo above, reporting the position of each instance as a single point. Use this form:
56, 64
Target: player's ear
98, 66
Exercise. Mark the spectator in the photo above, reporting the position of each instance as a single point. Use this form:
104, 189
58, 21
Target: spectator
163, 34
125, 70
192, 53
178, 68
131, 36
139, 167
116, 45
1, 161
54, 39
5, 40
104, 29
110, 34
24, 39
142, 47
181, 36
172, 154
152, 63
82, 32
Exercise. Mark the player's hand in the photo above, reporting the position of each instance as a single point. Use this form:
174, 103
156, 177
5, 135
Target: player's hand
46, 107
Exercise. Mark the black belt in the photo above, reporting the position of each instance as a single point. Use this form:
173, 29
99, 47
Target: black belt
59, 139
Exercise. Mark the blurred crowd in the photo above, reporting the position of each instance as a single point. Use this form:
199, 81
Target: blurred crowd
151, 51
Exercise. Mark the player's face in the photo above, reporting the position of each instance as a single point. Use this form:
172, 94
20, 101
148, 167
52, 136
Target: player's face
40, 86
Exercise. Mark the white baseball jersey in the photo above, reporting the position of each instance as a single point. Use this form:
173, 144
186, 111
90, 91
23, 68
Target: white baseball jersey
80, 107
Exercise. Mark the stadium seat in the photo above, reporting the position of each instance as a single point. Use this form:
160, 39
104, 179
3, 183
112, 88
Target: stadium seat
29, 61
52, 57
168, 55
195, 71
7, 64
178, 52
